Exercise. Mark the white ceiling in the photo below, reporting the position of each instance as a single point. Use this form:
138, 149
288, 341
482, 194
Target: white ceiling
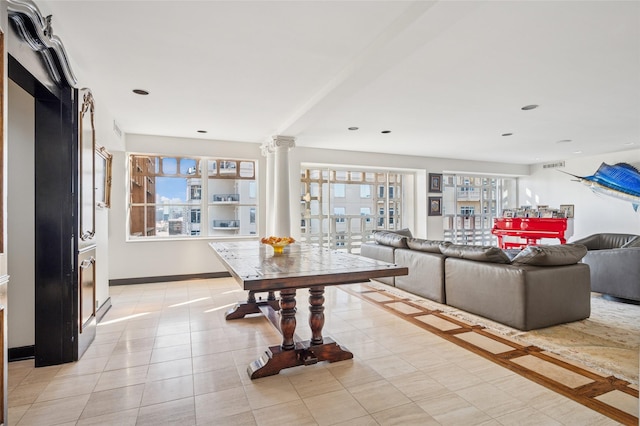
447, 78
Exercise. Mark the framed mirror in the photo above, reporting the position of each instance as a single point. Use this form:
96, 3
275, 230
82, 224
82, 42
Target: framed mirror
87, 157
103, 177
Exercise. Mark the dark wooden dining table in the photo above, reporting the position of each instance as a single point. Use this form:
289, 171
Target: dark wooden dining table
259, 270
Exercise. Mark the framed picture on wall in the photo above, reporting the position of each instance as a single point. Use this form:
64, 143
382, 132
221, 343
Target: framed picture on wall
567, 209
435, 182
435, 206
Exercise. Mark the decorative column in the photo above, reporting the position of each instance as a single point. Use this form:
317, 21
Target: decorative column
268, 153
280, 208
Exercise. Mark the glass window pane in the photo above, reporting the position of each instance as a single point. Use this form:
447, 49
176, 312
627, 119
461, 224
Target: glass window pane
247, 169
212, 167
171, 190
169, 166
228, 167
188, 166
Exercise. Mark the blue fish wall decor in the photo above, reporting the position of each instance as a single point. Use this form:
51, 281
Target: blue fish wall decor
622, 181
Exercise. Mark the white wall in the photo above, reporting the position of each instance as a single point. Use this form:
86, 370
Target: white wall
106, 137
21, 217
136, 259
593, 212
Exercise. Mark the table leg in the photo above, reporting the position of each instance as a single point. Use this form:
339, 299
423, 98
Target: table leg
292, 353
288, 318
316, 314
252, 306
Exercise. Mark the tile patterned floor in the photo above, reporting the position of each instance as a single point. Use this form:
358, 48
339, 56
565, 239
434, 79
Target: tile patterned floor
164, 354
618, 399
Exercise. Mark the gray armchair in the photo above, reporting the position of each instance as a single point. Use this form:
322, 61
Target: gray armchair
614, 261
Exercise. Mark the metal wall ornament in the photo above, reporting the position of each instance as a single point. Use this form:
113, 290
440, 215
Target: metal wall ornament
36, 31
103, 177
87, 147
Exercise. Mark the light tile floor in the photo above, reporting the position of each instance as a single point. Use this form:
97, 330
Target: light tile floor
164, 354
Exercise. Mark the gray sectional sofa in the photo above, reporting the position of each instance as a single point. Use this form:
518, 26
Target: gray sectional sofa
614, 262
529, 289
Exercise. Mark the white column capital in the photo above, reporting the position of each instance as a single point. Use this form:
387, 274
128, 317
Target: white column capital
280, 142
265, 149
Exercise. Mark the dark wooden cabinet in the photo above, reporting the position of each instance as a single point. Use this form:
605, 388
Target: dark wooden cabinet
64, 243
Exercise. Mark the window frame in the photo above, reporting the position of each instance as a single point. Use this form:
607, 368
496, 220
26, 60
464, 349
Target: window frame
150, 205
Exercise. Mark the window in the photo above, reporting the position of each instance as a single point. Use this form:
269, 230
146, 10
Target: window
467, 210
366, 211
195, 216
169, 198
343, 206
195, 192
471, 203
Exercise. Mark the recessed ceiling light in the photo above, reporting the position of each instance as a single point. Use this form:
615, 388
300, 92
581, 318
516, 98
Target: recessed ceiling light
141, 92
507, 134
353, 128
202, 131
386, 131
564, 141
528, 107
629, 143
577, 152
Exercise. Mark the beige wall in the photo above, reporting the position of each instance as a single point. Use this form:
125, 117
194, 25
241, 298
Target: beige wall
135, 259
593, 212
20, 216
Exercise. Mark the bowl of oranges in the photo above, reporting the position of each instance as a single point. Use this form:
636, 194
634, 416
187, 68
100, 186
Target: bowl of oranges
278, 243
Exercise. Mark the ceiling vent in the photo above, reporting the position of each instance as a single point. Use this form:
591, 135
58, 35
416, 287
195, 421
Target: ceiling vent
117, 130
553, 165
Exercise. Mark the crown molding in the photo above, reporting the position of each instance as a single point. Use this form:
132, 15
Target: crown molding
35, 29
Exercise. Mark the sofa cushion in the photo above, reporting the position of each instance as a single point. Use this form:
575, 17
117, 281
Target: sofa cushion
477, 253
388, 238
565, 254
429, 246
512, 252
404, 231
635, 242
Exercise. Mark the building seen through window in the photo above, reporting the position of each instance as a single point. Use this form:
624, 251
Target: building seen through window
191, 196
341, 208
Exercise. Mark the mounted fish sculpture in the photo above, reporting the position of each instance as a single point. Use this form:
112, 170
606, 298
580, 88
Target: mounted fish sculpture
622, 181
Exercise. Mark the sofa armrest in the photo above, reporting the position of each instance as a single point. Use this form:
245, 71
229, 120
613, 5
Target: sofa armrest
605, 241
615, 271
379, 252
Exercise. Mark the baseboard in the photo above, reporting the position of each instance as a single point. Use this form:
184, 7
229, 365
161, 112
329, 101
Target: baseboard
21, 353
102, 310
161, 279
